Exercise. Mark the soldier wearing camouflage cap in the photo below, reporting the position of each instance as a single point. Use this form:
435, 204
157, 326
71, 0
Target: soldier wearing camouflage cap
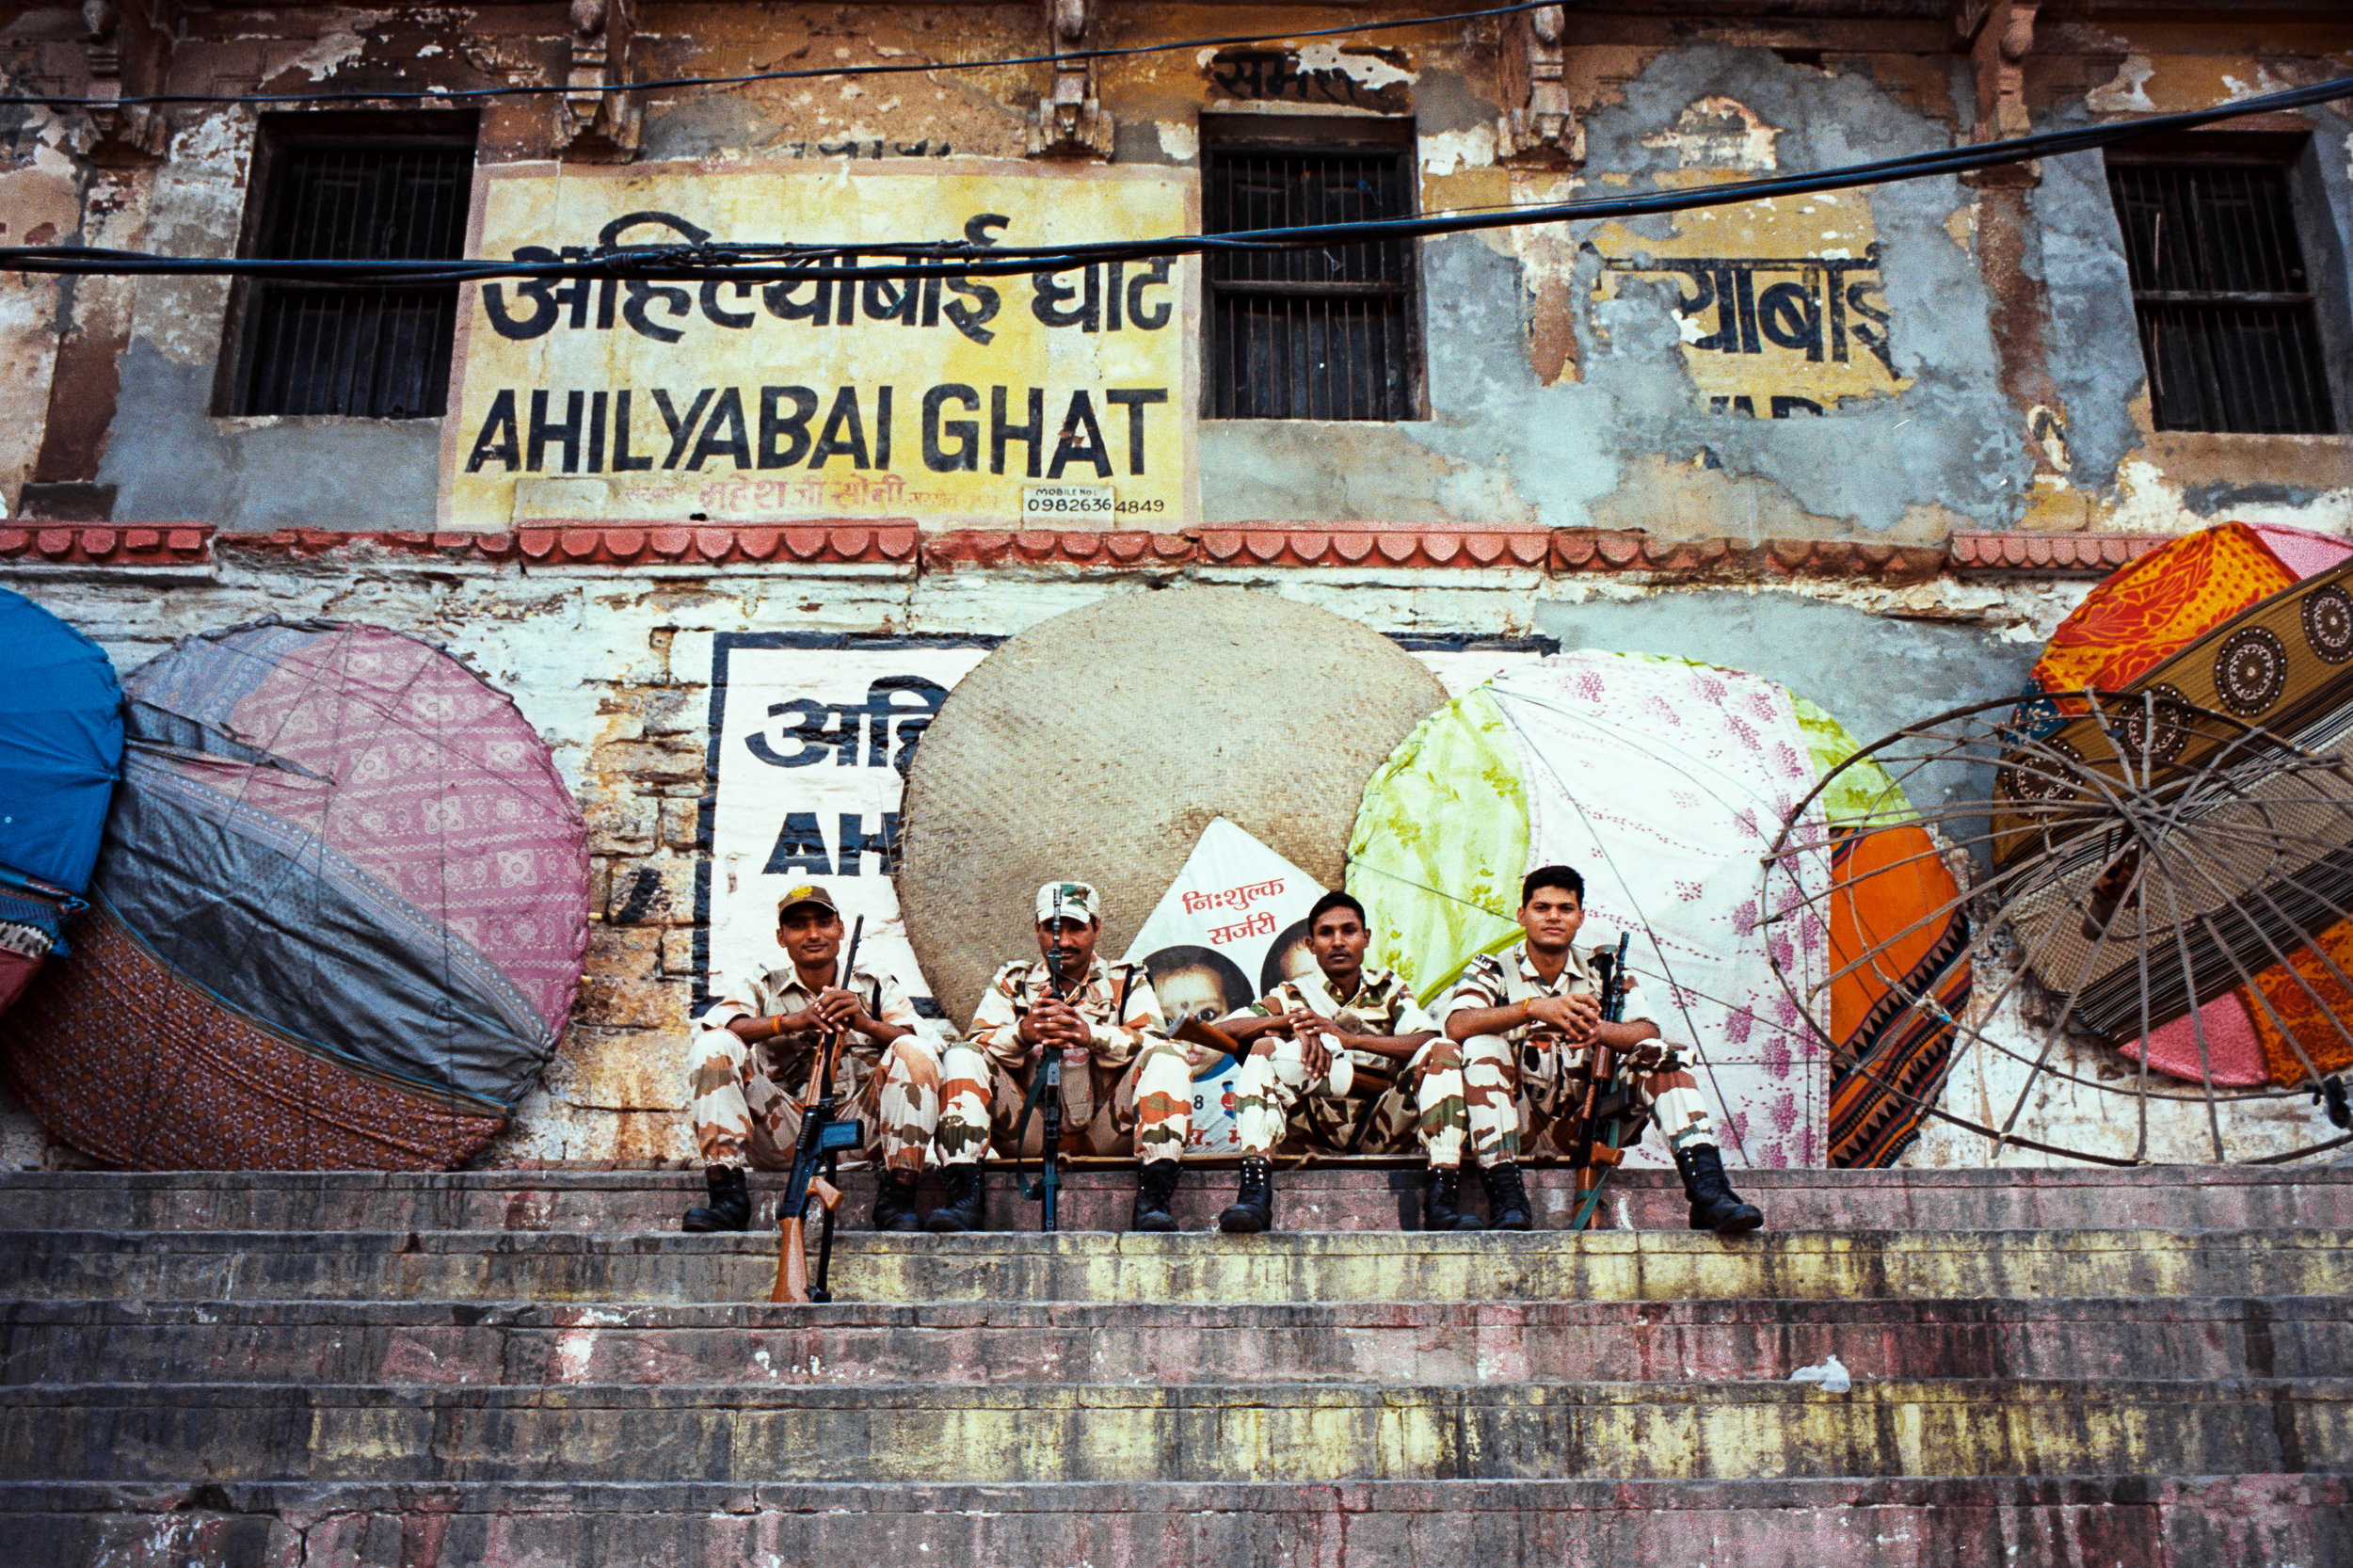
1122, 1075
753, 1052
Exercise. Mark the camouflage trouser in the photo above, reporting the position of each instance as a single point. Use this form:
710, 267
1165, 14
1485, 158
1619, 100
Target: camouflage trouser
1148, 1102
1549, 1082
1276, 1099
1485, 1112
744, 1116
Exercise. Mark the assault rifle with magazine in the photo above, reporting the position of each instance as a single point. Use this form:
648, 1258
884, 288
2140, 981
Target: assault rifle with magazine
823, 1138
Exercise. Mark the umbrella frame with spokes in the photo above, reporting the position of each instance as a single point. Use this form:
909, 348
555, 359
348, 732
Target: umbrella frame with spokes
2088, 811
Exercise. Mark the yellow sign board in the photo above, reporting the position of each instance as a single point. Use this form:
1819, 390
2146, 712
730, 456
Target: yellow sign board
944, 400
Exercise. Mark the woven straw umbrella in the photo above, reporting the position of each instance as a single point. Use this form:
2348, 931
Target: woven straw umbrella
1099, 745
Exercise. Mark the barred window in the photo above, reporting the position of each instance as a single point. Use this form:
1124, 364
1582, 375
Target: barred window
2225, 307
1333, 332
377, 352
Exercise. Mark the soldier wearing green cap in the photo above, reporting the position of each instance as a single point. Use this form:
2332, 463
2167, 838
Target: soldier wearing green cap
1122, 1076
753, 1052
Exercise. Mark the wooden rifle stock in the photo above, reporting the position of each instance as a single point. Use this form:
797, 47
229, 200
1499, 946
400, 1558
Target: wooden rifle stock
792, 1284
1199, 1032
1594, 1154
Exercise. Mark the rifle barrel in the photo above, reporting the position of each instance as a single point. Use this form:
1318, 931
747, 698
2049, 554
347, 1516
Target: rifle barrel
816, 1110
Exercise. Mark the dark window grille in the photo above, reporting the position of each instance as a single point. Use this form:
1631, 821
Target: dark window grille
2225, 309
1330, 333
372, 351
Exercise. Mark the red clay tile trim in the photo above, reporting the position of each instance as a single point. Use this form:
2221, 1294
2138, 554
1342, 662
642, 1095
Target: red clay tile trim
106, 544
2096, 554
902, 542
988, 547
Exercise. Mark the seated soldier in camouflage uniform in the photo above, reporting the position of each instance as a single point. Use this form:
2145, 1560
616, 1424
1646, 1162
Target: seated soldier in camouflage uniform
1121, 1072
1343, 1060
1529, 1021
753, 1051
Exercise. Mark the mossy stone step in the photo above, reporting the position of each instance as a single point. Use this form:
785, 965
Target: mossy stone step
1329, 1267
1307, 1433
519, 1344
1910, 1522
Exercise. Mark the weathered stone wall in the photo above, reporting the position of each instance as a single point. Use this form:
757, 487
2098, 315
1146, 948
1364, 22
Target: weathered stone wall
1562, 389
613, 667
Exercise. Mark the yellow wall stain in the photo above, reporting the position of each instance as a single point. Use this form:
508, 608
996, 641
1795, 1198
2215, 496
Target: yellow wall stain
1776, 299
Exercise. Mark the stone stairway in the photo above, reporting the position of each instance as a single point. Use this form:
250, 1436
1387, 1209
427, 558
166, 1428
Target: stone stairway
536, 1368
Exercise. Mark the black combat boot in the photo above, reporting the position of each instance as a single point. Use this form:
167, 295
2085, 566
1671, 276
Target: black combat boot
1153, 1188
731, 1205
1714, 1205
966, 1205
1252, 1209
1442, 1202
894, 1201
1507, 1197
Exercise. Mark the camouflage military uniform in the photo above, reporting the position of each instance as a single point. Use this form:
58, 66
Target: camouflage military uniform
1137, 1079
1522, 1087
746, 1098
1275, 1096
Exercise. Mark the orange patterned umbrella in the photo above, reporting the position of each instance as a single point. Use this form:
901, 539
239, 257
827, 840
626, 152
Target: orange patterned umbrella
2134, 622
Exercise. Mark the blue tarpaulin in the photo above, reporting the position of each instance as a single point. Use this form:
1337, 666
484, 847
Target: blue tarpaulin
61, 745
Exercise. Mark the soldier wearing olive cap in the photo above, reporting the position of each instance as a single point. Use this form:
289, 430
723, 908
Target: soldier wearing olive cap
1122, 1075
753, 1052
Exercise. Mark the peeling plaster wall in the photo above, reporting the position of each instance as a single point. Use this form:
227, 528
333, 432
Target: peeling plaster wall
613, 670
1633, 443
1553, 400
40, 200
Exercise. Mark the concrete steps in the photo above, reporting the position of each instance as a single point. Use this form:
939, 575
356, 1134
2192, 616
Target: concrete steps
1308, 1434
1380, 1195
527, 1368
1198, 1269
1904, 1521
521, 1344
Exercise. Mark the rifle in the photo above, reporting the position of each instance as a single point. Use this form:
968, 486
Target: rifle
1045, 1090
1594, 1151
1343, 1073
823, 1138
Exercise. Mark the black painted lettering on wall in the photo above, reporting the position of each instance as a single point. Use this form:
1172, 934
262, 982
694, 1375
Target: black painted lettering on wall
777, 425
800, 847
724, 434
897, 708
1277, 75
682, 430
734, 320
1832, 303
1081, 440
1781, 407
1002, 431
624, 460
1136, 400
498, 441
1084, 309
1104, 297
974, 306
857, 843
540, 430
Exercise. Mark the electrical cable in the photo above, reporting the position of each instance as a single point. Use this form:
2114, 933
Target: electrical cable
788, 262
892, 67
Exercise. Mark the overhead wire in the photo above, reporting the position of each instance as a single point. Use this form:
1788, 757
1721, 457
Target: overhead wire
886, 68
835, 261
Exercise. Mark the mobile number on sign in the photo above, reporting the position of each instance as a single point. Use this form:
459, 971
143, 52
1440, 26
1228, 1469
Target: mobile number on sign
1065, 503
